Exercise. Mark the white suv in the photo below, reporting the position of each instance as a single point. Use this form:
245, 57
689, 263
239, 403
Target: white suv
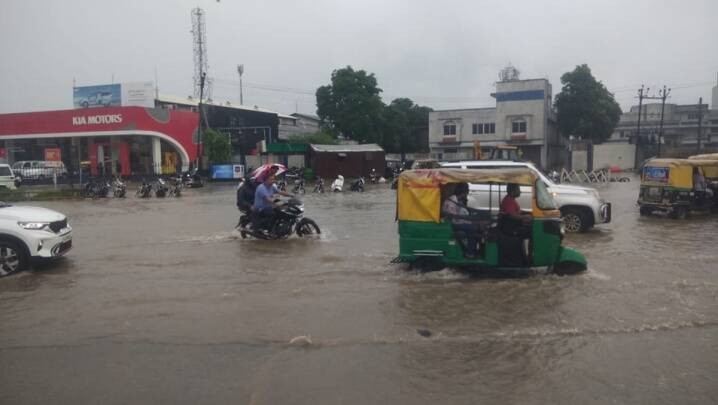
581, 207
31, 232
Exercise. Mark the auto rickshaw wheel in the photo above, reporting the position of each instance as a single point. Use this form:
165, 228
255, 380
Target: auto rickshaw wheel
568, 268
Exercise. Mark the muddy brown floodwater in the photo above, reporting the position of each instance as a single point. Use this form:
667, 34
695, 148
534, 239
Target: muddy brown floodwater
161, 302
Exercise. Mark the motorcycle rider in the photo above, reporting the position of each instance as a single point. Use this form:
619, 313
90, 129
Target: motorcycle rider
263, 208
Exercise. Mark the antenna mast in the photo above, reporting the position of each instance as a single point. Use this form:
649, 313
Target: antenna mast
199, 40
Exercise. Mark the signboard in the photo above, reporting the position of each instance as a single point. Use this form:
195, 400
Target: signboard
238, 171
222, 172
656, 174
139, 94
107, 95
53, 154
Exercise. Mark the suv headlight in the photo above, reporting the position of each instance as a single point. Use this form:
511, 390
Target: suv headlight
35, 226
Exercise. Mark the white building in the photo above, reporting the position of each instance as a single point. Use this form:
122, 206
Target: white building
523, 116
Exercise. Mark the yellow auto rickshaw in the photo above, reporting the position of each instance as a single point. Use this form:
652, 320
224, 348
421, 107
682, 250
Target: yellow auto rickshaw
428, 235
678, 186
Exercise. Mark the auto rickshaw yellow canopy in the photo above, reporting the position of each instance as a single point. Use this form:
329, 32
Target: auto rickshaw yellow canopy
681, 170
419, 191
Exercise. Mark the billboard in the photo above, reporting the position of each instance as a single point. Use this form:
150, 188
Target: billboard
140, 94
107, 95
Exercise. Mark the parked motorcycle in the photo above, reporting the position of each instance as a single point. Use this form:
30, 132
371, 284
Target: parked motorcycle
319, 185
192, 179
144, 190
96, 189
358, 185
373, 176
338, 184
288, 219
298, 186
175, 187
119, 188
161, 188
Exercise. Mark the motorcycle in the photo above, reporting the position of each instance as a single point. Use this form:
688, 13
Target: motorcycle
373, 176
298, 186
144, 190
288, 219
358, 185
319, 185
192, 179
176, 187
338, 184
119, 188
96, 189
161, 188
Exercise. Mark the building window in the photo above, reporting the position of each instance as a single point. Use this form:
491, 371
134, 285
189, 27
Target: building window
490, 128
477, 129
449, 129
451, 150
693, 116
518, 127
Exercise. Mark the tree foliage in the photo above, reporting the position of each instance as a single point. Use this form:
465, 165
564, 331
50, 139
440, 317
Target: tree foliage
585, 107
351, 105
319, 138
217, 147
404, 124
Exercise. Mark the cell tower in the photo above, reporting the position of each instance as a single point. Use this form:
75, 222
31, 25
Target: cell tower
509, 74
199, 39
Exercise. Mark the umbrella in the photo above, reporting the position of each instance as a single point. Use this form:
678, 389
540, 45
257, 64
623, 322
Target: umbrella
260, 173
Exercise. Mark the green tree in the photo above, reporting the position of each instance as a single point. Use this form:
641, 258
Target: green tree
217, 147
585, 107
351, 105
320, 138
404, 124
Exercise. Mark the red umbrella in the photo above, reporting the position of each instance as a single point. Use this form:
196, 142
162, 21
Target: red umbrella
262, 171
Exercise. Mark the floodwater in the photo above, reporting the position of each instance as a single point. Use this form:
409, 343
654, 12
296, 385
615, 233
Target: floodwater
161, 302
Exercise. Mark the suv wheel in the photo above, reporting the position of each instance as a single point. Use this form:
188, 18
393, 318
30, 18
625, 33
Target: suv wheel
12, 258
574, 220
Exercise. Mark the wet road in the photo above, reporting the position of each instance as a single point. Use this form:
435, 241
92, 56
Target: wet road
160, 302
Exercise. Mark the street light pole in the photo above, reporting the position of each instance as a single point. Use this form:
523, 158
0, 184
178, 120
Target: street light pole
240, 70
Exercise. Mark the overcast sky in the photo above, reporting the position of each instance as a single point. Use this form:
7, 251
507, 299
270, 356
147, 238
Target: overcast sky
443, 54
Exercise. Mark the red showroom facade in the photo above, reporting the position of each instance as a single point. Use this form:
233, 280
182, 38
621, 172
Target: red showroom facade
117, 140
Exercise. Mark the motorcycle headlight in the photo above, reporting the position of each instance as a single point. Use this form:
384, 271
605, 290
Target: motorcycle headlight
35, 226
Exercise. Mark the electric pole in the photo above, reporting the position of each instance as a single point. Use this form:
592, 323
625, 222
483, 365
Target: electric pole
199, 127
663, 94
700, 120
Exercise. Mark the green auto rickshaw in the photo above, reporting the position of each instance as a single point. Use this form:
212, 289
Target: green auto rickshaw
678, 186
429, 236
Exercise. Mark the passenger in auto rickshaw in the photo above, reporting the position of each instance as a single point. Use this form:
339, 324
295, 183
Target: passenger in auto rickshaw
455, 209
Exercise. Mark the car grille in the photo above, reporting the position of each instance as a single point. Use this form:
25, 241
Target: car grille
57, 226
